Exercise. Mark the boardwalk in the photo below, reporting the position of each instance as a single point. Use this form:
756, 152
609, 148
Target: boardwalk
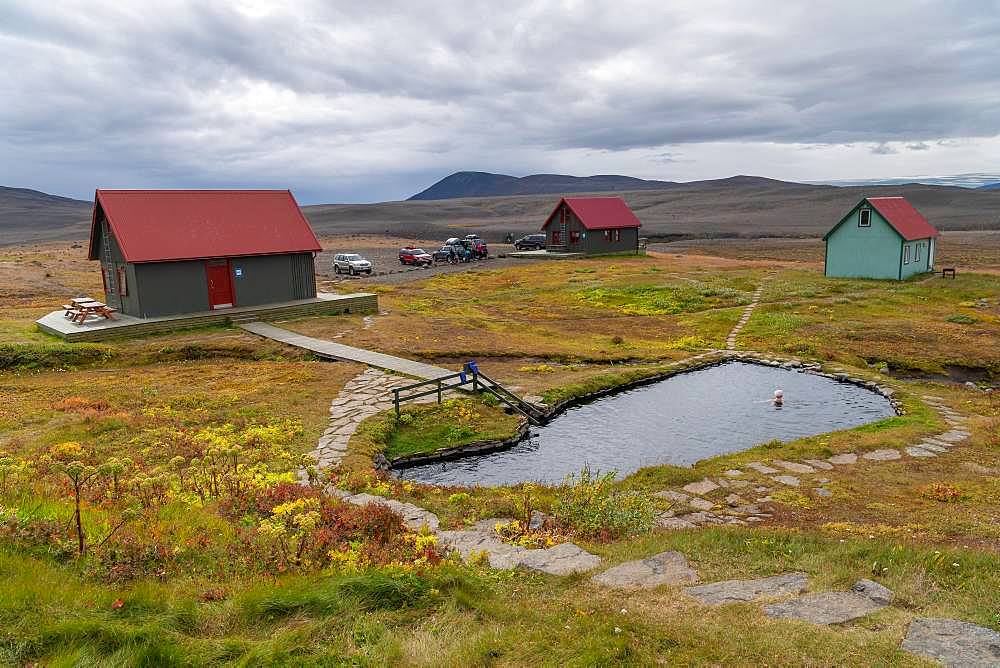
339, 351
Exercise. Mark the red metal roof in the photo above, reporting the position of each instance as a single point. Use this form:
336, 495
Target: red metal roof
903, 217
166, 225
598, 213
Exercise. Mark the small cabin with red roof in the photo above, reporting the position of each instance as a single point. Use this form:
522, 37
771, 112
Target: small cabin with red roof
592, 225
167, 252
881, 237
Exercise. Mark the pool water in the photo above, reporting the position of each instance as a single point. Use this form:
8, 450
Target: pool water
679, 420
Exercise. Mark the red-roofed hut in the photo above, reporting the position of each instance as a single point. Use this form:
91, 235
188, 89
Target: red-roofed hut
166, 252
592, 225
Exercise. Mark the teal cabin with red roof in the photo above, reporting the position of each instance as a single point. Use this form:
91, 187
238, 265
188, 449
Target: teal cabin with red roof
881, 237
170, 252
592, 226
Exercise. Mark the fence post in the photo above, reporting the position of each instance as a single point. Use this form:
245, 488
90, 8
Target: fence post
395, 397
439, 391
475, 382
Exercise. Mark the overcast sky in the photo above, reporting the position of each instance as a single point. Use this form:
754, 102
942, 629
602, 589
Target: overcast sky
367, 101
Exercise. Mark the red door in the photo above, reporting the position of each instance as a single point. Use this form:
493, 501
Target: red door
556, 238
220, 285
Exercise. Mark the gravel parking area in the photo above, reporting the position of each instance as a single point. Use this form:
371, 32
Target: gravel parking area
384, 255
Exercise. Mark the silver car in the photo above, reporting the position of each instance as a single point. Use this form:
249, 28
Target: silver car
351, 263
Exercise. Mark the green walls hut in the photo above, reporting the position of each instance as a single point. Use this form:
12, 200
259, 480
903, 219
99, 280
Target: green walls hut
881, 237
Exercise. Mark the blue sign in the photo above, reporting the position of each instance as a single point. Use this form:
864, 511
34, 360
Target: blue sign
239, 272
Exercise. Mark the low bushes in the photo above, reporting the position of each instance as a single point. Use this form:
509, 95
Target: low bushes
591, 507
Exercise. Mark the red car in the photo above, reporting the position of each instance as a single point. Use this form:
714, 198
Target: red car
415, 256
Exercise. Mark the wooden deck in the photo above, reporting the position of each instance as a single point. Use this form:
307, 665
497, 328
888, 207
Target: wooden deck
127, 326
339, 351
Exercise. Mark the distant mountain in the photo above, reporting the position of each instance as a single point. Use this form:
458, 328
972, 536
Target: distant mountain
974, 180
484, 184
989, 186
31, 215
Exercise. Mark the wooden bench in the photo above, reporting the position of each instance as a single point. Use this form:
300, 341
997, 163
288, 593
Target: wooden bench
948, 271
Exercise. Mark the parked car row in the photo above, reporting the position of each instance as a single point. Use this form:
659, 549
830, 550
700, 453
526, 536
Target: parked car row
454, 250
530, 242
457, 250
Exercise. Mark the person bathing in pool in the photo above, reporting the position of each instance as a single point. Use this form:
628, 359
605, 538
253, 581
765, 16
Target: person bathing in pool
779, 397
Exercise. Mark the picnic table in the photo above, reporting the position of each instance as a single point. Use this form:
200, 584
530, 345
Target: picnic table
81, 308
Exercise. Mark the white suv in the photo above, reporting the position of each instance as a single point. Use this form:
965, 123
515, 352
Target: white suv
351, 263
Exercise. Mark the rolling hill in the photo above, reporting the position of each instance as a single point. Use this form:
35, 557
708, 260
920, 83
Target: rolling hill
484, 184
740, 206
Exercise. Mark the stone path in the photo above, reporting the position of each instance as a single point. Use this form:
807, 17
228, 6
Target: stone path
747, 312
833, 607
339, 351
742, 591
665, 568
953, 642
736, 496
365, 395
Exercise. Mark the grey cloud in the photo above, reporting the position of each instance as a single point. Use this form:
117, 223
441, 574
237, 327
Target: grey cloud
347, 98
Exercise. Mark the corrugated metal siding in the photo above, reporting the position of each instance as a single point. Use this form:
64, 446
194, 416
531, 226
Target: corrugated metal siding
170, 288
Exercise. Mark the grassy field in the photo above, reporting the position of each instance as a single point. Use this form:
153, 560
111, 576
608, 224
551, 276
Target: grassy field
200, 548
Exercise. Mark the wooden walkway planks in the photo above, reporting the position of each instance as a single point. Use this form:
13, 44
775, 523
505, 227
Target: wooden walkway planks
339, 351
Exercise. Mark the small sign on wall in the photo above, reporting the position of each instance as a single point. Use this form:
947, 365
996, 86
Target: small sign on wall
239, 272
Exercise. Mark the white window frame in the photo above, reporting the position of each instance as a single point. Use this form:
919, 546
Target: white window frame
906, 254
865, 221
916, 251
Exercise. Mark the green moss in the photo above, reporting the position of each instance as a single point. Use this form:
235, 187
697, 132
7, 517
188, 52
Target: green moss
33, 356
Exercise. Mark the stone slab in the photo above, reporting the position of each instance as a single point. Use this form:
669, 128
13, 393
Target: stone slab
829, 607
738, 591
701, 487
819, 464
953, 642
883, 455
915, 451
701, 504
789, 480
794, 467
762, 468
846, 458
665, 568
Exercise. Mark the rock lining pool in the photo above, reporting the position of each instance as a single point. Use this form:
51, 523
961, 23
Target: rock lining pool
679, 420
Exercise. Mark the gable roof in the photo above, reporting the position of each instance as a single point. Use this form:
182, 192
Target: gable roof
901, 216
598, 213
167, 225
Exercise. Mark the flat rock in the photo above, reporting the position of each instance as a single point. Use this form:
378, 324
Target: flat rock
933, 447
666, 568
562, 559
822, 491
736, 591
701, 504
953, 436
762, 468
953, 642
734, 500
414, 517
666, 522
915, 451
844, 459
789, 480
819, 464
733, 473
882, 455
829, 607
794, 467
701, 487
671, 495
873, 590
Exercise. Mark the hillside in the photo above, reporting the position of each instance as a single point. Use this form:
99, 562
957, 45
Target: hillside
31, 215
484, 184
738, 206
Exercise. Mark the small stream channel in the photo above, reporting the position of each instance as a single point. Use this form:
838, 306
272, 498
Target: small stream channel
679, 420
